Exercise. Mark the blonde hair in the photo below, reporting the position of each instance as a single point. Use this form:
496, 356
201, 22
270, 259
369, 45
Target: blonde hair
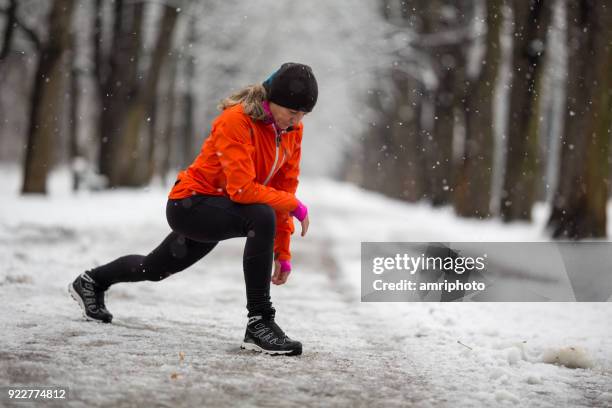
251, 98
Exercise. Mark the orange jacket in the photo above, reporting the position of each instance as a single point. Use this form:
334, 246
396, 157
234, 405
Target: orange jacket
248, 162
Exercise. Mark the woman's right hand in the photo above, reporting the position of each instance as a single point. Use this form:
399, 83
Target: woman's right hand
301, 213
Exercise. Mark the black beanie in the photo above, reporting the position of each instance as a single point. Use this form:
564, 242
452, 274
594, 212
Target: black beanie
293, 86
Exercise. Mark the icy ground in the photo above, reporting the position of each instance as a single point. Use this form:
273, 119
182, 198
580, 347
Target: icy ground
355, 354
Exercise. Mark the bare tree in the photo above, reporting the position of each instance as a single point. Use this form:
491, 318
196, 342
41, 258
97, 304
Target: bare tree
127, 93
473, 185
188, 100
406, 179
445, 37
9, 28
376, 165
133, 170
118, 80
169, 110
12, 23
579, 203
45, 111
73, 121
390, 156
531, 19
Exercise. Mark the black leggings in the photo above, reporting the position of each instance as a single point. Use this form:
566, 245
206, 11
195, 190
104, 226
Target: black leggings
198, 224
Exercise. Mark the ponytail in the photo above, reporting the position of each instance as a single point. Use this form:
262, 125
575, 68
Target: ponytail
251, 98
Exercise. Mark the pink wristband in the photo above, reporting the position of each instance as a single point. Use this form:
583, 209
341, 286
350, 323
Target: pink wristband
285, 266
300, 212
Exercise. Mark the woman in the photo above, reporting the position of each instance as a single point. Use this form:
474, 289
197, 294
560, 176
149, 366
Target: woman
242, 184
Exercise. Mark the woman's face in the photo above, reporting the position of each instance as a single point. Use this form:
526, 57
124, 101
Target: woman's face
285, 117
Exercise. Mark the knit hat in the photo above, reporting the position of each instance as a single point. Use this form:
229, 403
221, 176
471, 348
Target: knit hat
293, 86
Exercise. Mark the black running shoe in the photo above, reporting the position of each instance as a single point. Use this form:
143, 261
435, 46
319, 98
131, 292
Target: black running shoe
264, 335
90, 297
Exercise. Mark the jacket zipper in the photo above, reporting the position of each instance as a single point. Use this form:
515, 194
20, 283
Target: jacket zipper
278, 140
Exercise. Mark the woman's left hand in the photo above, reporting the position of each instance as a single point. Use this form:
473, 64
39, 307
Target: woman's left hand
279, 277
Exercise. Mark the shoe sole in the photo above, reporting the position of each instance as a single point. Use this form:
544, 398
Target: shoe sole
255, 347
77, 298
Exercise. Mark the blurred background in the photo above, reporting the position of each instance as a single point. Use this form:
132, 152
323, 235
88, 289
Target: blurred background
488, 107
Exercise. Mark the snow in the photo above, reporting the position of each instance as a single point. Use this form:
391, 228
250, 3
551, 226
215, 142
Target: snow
176, 342
572, 357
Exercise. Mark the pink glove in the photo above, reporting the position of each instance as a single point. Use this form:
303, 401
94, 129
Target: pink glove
285, 266
300, 212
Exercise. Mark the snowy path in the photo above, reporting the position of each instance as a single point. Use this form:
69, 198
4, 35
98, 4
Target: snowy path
347, 360
355, 354
501, 362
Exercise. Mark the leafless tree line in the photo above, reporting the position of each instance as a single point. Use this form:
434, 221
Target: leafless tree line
433, 135
128, 81
446, 124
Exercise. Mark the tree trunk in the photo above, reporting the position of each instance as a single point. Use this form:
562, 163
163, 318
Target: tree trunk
132, 154
444, 27
124, 153
530, 27
188, 152
45, 106
473, 185
439, 17
152, 124
73, 122
390, 157
440, 148
579, 204
373, 173
9, 29
119, 86
100, 62
167, 137
188, 128
406, 176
